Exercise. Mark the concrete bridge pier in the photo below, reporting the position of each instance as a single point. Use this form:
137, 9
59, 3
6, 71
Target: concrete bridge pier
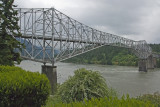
51, 73
155, 62
142, 65
150, 62
145, 64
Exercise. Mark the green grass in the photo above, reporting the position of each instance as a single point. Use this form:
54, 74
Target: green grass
101, 102
153, 98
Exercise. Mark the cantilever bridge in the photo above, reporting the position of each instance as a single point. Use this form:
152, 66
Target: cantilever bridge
52, 36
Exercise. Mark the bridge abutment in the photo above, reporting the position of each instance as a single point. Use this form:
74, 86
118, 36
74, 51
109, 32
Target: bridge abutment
51, 73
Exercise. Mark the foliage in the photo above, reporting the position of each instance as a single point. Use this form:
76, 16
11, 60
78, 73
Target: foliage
155, 47
22, 88
10, 68
158, 63
107, 55
8, 28
125, 60
153, 98
105, 102
84, 84
52, 100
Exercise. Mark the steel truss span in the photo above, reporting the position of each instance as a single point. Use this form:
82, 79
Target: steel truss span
52, 36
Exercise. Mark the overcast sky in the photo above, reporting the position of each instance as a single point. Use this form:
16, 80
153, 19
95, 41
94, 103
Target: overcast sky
133, 19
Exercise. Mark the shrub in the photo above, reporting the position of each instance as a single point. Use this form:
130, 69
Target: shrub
106, 102
153, 98
22, 88
84, 84
10, 68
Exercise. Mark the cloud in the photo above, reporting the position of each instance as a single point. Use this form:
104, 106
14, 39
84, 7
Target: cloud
134, 19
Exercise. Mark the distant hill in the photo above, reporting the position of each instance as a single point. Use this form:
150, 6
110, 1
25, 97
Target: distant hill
155, 47
107, 55
110, 55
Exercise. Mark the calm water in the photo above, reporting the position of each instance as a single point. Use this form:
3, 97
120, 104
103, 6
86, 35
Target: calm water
123, 79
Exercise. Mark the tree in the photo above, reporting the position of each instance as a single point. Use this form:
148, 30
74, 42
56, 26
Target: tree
8, 28
85, 84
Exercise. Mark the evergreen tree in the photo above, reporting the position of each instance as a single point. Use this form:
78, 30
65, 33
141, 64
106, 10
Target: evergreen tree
8, 28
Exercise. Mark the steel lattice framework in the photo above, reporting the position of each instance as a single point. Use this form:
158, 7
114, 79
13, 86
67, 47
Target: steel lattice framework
52, 36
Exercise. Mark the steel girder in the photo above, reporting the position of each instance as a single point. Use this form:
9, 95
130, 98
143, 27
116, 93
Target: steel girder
52, 36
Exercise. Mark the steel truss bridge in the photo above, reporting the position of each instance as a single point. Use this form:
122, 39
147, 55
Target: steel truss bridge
51, 36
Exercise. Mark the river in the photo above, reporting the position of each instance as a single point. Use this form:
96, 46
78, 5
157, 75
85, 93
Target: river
121, 78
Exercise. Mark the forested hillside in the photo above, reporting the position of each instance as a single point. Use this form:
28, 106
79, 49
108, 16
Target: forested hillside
155, 47
110, 55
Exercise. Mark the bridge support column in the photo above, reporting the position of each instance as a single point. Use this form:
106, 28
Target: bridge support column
51, 73
155, 62
145, 64
142, 65
150, 62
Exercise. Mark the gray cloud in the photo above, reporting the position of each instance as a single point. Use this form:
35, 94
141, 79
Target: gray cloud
134, 19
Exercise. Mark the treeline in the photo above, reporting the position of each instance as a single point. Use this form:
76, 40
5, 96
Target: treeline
107, 55
110, 55
155, 48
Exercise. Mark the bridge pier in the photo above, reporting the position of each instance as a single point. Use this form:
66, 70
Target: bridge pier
150, 62
51, 73
155, 62
145, 64
142, 65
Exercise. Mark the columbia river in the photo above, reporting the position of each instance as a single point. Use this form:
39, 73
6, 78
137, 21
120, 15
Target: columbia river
123, 79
